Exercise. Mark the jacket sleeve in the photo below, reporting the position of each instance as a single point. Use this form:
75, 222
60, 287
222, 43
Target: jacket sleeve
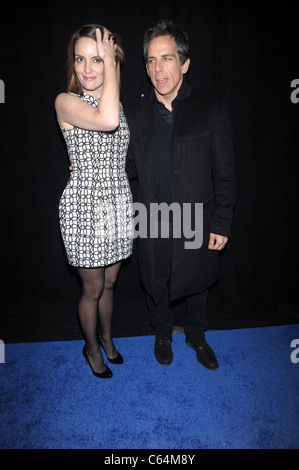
130, 164
130, 112
224, 173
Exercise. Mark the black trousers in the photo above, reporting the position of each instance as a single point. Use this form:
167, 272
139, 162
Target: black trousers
195, 322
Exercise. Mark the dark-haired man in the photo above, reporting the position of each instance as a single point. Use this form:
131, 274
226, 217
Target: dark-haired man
181, 151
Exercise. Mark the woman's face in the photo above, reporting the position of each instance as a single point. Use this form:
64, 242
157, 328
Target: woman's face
89, 68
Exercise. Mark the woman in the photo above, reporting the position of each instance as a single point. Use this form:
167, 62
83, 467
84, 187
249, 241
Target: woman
95, 207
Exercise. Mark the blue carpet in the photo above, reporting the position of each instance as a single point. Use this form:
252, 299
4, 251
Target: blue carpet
50, 399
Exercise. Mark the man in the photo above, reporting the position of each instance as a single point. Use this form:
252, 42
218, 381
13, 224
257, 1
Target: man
180, 152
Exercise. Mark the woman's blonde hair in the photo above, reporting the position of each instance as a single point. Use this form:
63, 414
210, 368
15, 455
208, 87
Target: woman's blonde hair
89, 31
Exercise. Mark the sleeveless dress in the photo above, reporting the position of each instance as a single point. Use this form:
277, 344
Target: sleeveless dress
95, 209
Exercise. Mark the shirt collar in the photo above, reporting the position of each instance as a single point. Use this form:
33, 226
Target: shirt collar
184, 92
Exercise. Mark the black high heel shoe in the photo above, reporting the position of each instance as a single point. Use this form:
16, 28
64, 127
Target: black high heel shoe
101, 375
116, 360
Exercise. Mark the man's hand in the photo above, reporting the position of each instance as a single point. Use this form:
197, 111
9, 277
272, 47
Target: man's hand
217, 242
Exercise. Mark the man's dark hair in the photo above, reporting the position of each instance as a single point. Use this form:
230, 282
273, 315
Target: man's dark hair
165, 28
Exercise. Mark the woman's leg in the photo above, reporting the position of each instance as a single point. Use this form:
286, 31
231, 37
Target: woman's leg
106, 309
92, 288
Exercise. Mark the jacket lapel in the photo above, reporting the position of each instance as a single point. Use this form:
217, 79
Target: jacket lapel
146, 132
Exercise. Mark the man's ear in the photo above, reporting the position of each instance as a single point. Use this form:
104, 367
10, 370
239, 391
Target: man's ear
185, 66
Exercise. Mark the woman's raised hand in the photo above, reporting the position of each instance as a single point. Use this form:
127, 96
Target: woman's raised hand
106, 47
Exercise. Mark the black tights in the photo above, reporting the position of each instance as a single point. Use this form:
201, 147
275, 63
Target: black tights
95, 311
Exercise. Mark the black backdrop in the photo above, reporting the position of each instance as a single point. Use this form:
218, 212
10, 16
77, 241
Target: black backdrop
245, 52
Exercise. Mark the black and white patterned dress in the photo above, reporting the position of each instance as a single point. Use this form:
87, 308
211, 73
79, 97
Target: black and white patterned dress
95, 209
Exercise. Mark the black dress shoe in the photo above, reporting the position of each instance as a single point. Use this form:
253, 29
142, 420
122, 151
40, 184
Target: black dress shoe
115, 360
163, 351
107, 374
204, 353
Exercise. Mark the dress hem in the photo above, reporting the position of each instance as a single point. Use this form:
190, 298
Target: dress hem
101, 266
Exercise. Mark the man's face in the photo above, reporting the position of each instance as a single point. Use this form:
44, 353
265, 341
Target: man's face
164, 68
